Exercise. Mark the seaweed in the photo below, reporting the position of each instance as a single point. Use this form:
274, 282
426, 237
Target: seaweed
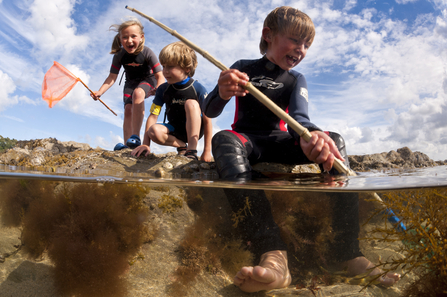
210, 245
90, 232
424, 242
170, 203
305, 228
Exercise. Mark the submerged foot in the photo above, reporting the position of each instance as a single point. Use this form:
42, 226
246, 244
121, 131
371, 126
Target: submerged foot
271, 273
361, 265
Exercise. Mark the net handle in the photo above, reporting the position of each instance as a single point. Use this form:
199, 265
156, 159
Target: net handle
67, 72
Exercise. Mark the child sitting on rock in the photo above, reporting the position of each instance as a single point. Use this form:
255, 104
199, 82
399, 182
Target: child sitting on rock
181, 94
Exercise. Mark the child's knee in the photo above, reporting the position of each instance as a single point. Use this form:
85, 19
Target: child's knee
230, 155
138, 94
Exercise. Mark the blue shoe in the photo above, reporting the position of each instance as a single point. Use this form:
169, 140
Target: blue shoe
133, 141
120, 146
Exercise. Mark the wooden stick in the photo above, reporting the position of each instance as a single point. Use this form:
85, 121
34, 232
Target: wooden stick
96, 96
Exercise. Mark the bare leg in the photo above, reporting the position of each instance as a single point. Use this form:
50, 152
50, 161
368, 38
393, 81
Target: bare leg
193, 123
137, 111
127, 124
160, 135
271, 273
361, 265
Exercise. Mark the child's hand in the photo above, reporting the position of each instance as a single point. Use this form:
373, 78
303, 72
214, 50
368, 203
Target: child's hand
206, 156
231, 83
152, 92
141, 149
321, 149
95, 95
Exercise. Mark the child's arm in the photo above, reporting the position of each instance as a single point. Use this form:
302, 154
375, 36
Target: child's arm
207, 136
160, 78
110, 80
145, 147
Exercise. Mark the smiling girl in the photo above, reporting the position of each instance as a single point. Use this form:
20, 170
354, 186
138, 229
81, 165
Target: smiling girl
143, 76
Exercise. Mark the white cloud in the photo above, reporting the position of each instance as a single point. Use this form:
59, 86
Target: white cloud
54, 29
7, 88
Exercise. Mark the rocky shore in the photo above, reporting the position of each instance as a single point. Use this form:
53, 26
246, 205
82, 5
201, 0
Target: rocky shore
52, 155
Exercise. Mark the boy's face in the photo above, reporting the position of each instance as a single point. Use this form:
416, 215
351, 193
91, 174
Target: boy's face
174, 73
130, 38
284, 49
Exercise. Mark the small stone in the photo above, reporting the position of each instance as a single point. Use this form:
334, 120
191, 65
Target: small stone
160, 172
205, 166
167, 165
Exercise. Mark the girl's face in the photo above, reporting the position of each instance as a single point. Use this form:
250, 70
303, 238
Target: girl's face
285, 50
174, 73
130, 38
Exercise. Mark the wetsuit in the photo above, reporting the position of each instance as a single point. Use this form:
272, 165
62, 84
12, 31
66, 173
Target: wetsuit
139, 69
175, 96
258, 135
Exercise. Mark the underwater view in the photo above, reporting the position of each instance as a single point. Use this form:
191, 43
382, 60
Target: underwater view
139, 235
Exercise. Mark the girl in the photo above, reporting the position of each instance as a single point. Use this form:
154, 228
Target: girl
143, 76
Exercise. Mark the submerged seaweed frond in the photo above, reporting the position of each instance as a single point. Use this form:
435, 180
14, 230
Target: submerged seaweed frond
424, 243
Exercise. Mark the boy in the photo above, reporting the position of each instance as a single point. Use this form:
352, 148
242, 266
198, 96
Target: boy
186, 124
258, 135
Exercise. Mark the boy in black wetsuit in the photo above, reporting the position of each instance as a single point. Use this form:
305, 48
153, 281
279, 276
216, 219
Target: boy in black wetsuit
181, 94
258, 135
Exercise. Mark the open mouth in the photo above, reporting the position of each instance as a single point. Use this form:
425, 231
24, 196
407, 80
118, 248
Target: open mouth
293, 60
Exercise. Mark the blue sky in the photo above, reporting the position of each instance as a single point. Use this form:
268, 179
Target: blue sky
376, 72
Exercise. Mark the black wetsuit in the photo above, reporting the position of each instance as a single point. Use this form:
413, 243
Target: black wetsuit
139, 69
258, 135
175, 96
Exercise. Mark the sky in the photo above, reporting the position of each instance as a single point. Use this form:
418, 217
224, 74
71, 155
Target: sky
376, 71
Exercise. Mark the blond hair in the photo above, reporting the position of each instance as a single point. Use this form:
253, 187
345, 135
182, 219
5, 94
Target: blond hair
180, 54
116, 44
288, 20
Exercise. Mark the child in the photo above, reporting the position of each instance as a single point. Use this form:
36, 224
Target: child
143, 76
186, 124
260, 136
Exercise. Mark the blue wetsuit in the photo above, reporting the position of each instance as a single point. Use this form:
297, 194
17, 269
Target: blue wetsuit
258, 135
175, 96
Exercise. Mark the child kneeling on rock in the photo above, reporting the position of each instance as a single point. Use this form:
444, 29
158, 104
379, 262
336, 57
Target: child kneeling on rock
181, 94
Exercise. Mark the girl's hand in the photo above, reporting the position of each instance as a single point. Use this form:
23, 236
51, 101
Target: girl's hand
95, 95
152, 92
231, 83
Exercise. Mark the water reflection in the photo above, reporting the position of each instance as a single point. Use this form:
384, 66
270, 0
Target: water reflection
112, 236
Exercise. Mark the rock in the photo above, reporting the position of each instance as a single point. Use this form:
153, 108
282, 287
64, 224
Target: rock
52, 155
403, 158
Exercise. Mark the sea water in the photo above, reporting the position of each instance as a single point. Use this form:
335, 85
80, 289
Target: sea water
137, 235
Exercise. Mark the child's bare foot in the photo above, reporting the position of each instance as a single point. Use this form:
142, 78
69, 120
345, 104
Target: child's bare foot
271, 273
361, 265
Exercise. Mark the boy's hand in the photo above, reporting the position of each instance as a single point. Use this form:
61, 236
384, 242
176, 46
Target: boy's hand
231, 83
206, 156
321, 149
141, 149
